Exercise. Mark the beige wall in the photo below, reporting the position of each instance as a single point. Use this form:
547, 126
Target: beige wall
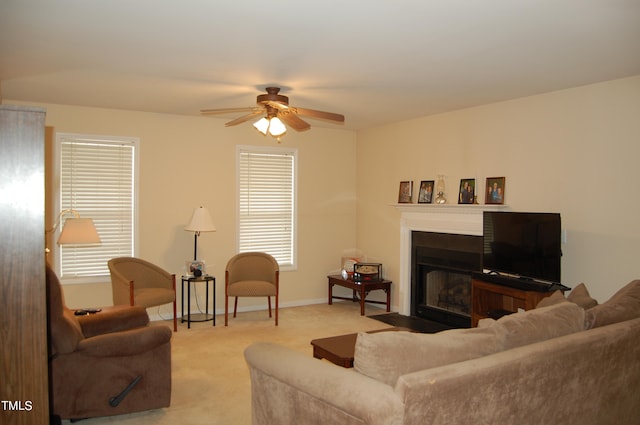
186, 162
573, 151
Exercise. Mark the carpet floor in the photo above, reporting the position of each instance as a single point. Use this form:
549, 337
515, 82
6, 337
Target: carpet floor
210, 379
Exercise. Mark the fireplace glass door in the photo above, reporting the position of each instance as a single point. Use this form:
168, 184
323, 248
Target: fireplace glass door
442, 265
444, 290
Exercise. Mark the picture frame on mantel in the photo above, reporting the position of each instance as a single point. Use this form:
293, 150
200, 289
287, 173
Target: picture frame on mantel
425, 194
467, 191
405, 194
494, 192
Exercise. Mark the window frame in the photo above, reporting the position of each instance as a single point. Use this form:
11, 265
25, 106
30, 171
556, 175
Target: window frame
294, 217
57, 199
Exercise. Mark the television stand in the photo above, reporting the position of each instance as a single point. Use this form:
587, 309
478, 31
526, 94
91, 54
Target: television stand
488, 298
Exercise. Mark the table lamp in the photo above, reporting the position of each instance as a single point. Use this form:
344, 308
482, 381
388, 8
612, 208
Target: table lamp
200, 222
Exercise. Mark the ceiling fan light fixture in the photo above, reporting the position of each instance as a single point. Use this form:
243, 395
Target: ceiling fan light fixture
273, 126
276, 127
262, 125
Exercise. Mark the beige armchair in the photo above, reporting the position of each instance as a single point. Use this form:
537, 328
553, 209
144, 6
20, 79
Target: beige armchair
138, 282
251, 274
105, 364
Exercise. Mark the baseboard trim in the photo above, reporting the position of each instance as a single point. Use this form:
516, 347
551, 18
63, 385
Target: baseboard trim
163, 313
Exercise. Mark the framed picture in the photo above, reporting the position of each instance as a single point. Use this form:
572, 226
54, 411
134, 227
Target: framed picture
495, 190
467, 191
425, 195
405, 196
196, 268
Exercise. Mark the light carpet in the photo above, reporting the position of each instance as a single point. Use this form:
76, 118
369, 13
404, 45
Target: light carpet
210, 379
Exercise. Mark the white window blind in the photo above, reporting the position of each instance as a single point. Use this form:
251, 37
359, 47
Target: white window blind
267, 202
97, 179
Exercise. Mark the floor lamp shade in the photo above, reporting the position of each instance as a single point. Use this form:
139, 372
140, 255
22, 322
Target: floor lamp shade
78, 231
200, 222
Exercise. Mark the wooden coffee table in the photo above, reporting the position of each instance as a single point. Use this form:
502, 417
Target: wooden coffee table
340, 349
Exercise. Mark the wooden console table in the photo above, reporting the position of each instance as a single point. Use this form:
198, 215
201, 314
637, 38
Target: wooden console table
360, 290
487, 297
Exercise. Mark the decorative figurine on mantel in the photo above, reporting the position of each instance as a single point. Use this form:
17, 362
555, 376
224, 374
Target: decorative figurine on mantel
440, 198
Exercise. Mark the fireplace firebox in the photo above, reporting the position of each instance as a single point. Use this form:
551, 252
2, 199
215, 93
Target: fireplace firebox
441, 268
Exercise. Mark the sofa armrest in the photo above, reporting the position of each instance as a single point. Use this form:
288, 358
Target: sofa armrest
125, 343
288, 387
113, 319
120, 287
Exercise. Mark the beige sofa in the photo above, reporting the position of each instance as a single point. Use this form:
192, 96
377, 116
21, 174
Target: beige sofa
557, 364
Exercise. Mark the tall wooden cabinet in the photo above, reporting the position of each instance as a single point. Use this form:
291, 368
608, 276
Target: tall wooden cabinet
23, 316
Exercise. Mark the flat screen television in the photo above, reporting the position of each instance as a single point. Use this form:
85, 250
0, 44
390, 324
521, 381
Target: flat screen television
524, 245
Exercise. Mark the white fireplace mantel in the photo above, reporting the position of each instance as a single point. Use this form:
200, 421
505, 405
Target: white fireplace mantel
440, 218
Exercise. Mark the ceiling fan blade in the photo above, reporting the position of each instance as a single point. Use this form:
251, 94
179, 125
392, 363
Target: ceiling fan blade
312, 113
293, 121
244, 118
227, 110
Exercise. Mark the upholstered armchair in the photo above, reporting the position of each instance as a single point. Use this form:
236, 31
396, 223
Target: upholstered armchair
251, 274
135, 281
105, 364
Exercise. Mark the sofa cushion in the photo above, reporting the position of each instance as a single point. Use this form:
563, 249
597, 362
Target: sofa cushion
556, 297
385, 356
623, 305
580, 295
486, 322
540, 324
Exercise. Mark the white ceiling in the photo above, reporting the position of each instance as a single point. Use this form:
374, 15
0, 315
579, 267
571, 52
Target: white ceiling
374, 61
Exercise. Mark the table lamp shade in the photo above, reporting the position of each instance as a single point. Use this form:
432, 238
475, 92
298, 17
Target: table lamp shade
78, 231
200, 221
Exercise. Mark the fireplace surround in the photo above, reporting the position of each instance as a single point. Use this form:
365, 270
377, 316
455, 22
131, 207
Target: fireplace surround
448, 219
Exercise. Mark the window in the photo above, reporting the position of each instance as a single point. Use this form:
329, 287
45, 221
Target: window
267, 202
97, 178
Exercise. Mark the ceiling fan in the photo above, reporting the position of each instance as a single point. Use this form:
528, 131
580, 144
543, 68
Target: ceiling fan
278, 113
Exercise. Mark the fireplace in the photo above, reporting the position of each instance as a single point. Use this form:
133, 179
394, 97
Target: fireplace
453, 219
441, 267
